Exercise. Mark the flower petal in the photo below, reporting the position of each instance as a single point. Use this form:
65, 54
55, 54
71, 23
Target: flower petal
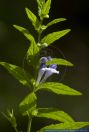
49, 72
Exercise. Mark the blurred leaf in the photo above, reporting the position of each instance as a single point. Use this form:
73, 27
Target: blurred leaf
66, 125
33, 18
50, 38
25, 32
18, 73
55, 21
46, 8
58, 88
28, 104
54, 114
11, 118
59, 61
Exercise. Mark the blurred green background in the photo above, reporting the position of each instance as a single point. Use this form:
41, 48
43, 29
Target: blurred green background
75, 47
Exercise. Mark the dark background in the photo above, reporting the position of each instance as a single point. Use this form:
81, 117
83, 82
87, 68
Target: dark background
75, 47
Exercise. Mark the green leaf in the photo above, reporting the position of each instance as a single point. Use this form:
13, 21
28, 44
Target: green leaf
11, 118
58, 88
17, 72
55, 21
54, 114
33, 18
33, 48
28, 104
59, 61
67, 126
46, 8
50, 38
25, 32
32, 52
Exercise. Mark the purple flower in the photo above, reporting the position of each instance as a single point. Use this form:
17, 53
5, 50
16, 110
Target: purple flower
44, 71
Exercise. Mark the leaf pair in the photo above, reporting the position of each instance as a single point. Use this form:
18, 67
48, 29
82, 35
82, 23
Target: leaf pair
43, 8
26, 80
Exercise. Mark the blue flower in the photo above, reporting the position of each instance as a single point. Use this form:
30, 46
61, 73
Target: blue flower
44, 71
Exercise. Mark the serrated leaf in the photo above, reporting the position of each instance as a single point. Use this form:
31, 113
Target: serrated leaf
25, 32
54, 114
55, 21
59, 61
65, 126
28, 104
58, 88
17, 72
46, 8
32, 17
50, 38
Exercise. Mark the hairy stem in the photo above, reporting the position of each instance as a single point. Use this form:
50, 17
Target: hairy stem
29, 124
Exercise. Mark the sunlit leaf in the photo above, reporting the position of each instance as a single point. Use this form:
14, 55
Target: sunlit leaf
55, 21
33, 18
54, 114
25, 32
32, 52
50, 38
18, 72
33, 48
65, 126
46, 8
58, 88
28, 104
59, 61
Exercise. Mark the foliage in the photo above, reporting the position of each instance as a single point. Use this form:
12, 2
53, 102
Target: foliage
28, 106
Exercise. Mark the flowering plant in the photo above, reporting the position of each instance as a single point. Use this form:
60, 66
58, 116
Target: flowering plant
42, 67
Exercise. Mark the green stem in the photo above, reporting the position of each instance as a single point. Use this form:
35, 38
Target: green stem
16, 129
39, 37
40, 31
29, 124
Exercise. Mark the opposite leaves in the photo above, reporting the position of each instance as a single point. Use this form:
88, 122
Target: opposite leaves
58, 88
46, 8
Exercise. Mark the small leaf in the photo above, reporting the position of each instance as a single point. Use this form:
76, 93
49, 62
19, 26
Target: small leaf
59, 61
65, 126
11, 118
33, 52
25, 32
54, 114
46, 8
50, 38
58, 88
28, 104
33, 18
40, 6
18, 73
55, 21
